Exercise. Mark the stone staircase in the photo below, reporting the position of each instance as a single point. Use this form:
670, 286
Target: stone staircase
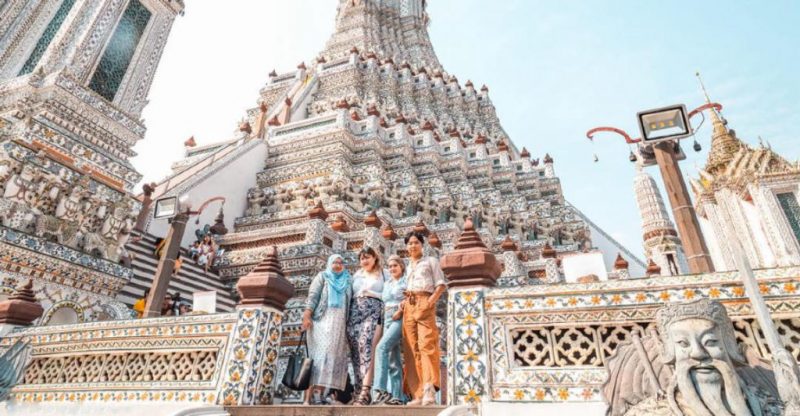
281, 410
191, 277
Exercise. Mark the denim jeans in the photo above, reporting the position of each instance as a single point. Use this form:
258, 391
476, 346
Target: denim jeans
388, 364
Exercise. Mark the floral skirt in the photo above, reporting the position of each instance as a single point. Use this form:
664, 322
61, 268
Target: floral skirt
366, 315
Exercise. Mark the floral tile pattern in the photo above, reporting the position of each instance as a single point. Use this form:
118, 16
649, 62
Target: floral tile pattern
550, 342
468, 347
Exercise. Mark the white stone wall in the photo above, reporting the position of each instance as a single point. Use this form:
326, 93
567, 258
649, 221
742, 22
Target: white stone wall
231, 181
609, 247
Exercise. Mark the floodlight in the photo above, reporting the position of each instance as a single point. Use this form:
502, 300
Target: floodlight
166, 207
667, 123
185, 202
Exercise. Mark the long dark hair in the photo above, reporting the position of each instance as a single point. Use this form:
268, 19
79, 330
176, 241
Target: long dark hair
369, 251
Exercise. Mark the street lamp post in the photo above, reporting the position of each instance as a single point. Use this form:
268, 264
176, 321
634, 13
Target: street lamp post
686, 220
178, 212
661, 128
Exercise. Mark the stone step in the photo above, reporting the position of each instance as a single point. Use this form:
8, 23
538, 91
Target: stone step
295, 410
145, 253
145, 270
191, 277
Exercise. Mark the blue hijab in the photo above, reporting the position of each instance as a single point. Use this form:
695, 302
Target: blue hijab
337, 282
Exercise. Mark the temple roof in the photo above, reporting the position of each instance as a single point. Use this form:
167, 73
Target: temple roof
730, 156
732, 161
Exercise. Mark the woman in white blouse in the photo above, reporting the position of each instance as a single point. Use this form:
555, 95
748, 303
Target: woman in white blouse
365, 321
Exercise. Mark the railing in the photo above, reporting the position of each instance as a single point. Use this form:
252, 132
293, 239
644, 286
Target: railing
181, 362
551, 342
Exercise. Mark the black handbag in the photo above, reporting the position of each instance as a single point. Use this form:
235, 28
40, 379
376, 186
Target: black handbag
298, 369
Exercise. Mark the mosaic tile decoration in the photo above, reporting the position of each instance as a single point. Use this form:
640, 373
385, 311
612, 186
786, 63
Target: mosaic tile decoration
119, 51
176, 359
58, 251
49, 33
550, 343
467, 347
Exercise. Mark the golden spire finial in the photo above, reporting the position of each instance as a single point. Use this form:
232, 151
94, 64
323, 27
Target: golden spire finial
703, 87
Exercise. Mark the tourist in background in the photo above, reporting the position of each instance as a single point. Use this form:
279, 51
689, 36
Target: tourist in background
388, 364
194, 250
177, 300
176, 268
140, 304
425, 284
159, 247
166, 306
206, 256
364, 324
325, 320
185, 308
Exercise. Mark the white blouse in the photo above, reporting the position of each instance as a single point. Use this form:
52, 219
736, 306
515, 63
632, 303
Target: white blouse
424, 275
368, 284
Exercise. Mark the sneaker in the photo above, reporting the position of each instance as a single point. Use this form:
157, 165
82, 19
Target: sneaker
428, 395
331, 400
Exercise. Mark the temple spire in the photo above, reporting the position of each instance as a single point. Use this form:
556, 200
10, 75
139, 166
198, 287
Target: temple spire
724, 143
661, 242
395, 29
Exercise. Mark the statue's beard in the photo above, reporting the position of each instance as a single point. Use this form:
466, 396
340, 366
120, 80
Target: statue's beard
708, 389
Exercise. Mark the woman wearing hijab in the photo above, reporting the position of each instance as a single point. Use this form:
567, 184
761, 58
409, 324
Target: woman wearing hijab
325, 320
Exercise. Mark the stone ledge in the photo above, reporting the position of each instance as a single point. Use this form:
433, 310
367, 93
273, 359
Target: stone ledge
286, 410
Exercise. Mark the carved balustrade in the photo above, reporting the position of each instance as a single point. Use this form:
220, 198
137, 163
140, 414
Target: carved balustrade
186, 361
551, 342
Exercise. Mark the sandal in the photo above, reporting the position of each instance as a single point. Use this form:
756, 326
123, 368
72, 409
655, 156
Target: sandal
381, 396
393, 401
364, 398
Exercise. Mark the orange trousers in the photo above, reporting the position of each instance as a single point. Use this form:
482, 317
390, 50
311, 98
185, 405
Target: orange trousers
420, 346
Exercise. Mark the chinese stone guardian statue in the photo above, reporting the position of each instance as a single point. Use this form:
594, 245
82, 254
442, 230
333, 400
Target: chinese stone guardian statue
692, 367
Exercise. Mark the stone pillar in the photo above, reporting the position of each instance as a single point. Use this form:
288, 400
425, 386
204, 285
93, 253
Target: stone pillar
250, 367
372, 232
316, 224
549, 255
513, 270
549, 171
19, 310
471, 270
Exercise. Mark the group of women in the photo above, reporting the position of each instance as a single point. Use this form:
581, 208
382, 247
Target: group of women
367, 319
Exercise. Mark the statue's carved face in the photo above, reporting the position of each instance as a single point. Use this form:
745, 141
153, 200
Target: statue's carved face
704, 369
697, 343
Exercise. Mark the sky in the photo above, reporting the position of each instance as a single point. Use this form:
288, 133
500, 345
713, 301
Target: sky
555, 69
